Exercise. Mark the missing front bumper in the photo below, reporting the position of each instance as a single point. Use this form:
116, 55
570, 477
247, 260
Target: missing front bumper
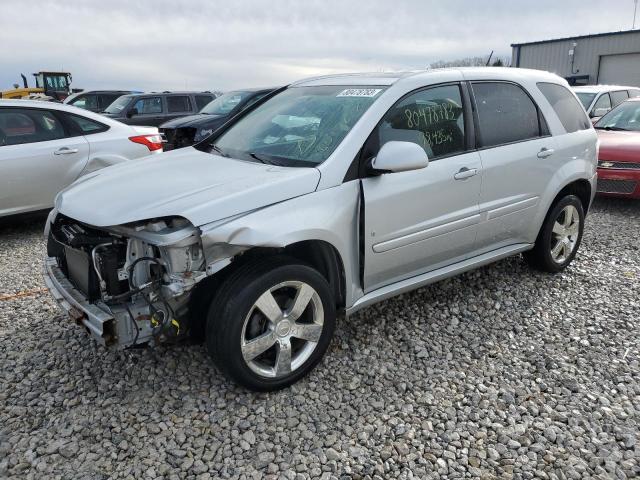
109, 326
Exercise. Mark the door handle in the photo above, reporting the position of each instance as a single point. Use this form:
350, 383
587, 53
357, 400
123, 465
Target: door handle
465, 173
65, 151
545, 152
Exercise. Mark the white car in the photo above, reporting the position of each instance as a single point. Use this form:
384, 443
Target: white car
597, 100
44, 147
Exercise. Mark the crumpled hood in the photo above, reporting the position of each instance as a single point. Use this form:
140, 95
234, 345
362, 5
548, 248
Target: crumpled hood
198, 186
199, 120
619, 146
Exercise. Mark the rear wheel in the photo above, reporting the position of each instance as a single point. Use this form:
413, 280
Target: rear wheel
270, 323
559, 237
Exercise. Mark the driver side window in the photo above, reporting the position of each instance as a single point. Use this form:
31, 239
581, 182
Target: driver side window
432, 118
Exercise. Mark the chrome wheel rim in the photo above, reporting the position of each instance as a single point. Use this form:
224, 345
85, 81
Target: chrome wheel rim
282, 329
564, 236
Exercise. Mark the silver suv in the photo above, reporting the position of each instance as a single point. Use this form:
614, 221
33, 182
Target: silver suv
328, 195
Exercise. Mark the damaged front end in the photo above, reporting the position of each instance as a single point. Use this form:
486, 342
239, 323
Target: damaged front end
128, 284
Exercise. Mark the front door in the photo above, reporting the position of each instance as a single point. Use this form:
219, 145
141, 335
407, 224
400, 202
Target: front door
149, 112
421, 220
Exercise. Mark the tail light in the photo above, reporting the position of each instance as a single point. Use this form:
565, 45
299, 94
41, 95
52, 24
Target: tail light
152, 142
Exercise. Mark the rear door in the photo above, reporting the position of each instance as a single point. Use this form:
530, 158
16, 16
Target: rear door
178, 106
421, 220
518, 162
38, 158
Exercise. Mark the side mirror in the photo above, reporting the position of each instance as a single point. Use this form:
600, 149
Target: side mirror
599, 112
132, 112
397, 156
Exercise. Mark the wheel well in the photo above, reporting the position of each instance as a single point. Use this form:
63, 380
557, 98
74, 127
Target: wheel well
319, 254
579, 188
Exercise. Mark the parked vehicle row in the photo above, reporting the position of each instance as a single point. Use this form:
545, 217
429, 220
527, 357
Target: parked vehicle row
153, 109
598, 100
188, 130
327, 195
95, 100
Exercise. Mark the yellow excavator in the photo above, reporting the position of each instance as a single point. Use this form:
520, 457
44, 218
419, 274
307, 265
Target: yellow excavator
54, 85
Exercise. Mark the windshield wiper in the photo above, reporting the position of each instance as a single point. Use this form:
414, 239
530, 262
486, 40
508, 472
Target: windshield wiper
263, 159
620, 129
218, 150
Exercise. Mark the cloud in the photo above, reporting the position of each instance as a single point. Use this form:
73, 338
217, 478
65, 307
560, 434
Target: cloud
204, 44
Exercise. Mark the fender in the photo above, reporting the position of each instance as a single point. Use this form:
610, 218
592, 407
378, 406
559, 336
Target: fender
329, 215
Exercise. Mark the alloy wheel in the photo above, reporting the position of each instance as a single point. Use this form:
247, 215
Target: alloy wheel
282, 329
564, 237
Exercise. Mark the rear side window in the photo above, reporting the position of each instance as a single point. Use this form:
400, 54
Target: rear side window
506, 113
177, 104
85, 126
202, 100
618, 97
19, 126
148, 106
432, 118
566, 106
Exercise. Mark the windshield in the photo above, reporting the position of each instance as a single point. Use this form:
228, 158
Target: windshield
625, 116
118, 105
225, 103
300, 126
585, 98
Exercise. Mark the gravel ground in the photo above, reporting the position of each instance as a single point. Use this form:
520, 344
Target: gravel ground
499, 373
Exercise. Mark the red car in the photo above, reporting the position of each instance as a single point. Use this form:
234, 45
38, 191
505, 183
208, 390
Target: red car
619, 158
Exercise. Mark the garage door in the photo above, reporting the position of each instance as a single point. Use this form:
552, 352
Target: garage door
620, 69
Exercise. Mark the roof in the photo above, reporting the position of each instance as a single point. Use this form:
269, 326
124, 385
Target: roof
591, 35
389, 78
601, 88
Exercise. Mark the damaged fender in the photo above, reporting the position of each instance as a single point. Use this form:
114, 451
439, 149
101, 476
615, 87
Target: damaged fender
329, 215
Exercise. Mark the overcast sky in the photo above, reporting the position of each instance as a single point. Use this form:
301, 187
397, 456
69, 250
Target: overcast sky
210, 44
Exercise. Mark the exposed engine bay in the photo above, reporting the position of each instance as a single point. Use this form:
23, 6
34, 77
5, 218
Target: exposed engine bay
139, 274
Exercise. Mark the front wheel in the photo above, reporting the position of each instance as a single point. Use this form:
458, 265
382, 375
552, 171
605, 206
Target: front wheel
559, 237
270, 323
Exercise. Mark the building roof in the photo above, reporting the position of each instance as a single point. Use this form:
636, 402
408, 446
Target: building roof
591, 35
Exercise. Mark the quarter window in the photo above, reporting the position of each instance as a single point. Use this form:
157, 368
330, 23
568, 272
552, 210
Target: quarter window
634, 93
18, 126
568, 109
506, 114
176, 104
148, 106
432, 118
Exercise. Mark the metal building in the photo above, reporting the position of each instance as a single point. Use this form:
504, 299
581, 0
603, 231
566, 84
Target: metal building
604, 58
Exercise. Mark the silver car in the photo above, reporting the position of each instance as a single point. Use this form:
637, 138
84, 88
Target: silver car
328, 195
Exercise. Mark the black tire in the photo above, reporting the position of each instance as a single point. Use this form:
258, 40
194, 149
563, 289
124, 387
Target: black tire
540, 257
234, 302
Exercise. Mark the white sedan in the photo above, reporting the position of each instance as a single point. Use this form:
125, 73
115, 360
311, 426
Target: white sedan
44, 147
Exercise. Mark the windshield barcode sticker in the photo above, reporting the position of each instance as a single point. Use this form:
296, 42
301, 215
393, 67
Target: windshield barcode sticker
359, 92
